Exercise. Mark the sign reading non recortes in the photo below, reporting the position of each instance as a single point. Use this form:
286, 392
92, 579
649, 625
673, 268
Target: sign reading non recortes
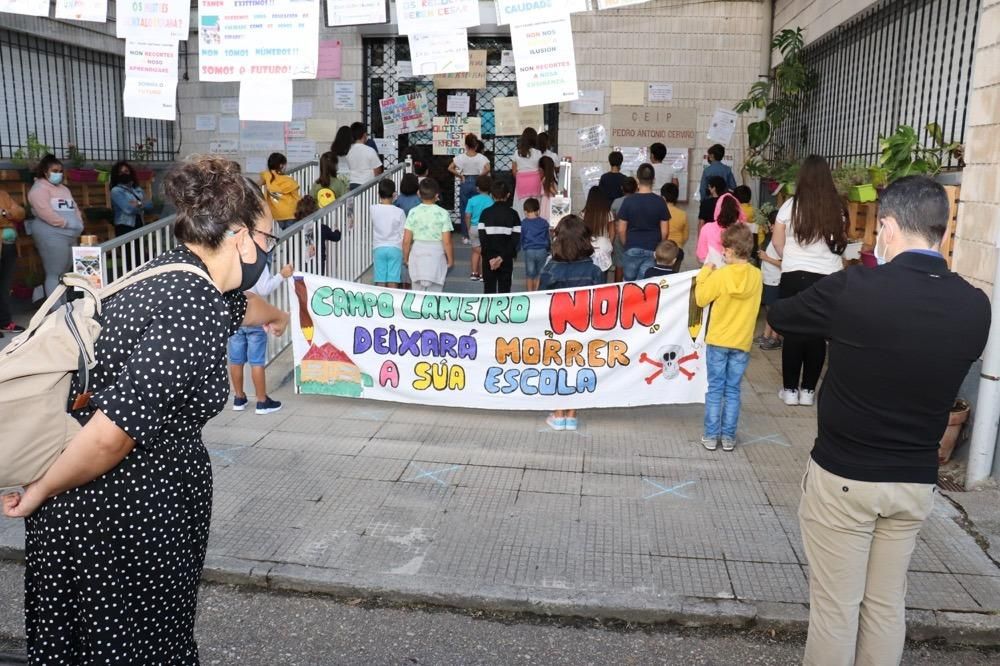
151, 61
256, 39
152, 21
642, 126
473, 79
448, 134
403, 114
355, 12
424, 16
614, 345
545, 62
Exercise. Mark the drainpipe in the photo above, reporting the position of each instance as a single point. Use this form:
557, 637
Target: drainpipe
987, 419
768, 35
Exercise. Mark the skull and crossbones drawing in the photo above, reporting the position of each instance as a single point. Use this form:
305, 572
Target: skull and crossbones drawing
670, 362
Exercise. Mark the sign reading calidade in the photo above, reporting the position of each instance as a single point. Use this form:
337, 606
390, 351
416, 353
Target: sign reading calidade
439, 52
473, 79
641, 126
613, 345
448, 134
151, 61
355, 12
423, 16
25, 7
82, 10
403, 114
149, 98
278, 39
152, 21
525, 11
545, 64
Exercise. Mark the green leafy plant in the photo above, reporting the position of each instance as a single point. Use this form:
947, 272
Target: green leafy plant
31, 153
143, 151
903, 155
778, 97
75, 156
850, 174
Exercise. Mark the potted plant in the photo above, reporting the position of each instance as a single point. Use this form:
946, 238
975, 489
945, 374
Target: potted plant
77, 174
956, 420
143, 152
853, 182
903, 155
27, 157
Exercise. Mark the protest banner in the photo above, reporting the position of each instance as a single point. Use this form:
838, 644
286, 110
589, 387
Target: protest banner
424, 16
448, 133
439, 52
25, 7
148, 21
355, 12
474, 79
612, 345
545, 64
403, 114
640, 126
150, 98
511, 118
151, 61
82, 10
255, 39
522, 11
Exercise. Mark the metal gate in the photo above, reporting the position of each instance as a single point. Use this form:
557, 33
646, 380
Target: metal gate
381, 71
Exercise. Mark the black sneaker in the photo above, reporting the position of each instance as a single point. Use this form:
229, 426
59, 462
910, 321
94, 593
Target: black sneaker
771, 344
239, 404
268, 406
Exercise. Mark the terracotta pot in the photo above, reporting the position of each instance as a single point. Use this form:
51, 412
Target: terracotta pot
956, 419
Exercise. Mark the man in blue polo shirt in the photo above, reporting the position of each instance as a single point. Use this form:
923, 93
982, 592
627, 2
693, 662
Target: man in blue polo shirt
643, 221
716, 168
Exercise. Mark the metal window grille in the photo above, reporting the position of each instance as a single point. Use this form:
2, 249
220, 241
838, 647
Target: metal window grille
381, 58
901, 62
70, 95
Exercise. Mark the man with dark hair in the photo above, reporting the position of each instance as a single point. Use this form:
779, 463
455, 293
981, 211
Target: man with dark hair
499, 238
611, 182
902, 338
664, 172
643, 221
716, 168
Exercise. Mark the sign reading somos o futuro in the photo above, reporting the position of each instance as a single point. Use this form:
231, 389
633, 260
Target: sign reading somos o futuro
612, 345
639, 126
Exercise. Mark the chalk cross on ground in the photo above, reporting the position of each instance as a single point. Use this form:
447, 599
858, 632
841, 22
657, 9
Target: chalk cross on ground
771, 439
673, 490
433, 474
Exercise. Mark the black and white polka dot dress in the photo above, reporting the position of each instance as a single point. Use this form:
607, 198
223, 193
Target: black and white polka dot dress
112, 567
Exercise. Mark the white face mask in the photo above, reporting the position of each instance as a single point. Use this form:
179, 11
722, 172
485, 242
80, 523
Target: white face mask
880, 256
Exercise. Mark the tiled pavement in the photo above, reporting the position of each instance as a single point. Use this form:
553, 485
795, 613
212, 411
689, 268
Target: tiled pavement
381, 497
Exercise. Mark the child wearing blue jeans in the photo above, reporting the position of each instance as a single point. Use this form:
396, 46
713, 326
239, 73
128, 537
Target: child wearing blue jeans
734, 292
249, 345
535, 242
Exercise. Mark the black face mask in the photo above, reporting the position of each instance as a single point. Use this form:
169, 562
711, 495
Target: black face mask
253, 271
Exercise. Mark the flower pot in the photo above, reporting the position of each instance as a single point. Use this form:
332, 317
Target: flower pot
81, 175
142, 175
103, 176
862, 193
956, 419
789, 189
950, 177
10, 174
868, 259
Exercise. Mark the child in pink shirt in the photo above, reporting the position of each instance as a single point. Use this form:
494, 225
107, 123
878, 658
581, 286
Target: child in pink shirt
727, 213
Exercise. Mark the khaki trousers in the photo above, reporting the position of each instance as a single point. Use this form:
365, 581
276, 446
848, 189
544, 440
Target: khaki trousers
858, 538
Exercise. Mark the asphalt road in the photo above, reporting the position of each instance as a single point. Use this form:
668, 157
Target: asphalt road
251, 628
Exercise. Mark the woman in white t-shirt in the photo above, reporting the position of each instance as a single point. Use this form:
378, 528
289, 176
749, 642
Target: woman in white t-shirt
467, 167
527, 177
810, 235
363, 162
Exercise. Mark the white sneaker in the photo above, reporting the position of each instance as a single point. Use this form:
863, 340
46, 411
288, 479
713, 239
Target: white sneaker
807, 397
789, 396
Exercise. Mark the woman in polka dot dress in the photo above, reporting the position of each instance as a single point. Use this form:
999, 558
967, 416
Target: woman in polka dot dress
117, 528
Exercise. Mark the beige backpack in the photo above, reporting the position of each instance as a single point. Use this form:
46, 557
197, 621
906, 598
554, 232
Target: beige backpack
36, 370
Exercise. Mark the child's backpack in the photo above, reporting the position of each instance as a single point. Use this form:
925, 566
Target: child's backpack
37, 368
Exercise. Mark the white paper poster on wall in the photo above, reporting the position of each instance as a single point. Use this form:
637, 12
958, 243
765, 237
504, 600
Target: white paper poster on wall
300, 151
229, 124
546, 64
423, 16
355, 12
25, 7
302, 109
224, 147
511, 118
506, 58
82, 10
152, 21
458, 104
590, 102
344, 95
723, 125
439, 52
256, 164
404, 69
229, 105
151, 61
266, 99
205, 122
660, 92
261, 137
279, 39
297, 129
145, 98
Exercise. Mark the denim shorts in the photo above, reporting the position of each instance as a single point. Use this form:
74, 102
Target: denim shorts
636, 262
533, 262
248, 344
388, 264
772, 293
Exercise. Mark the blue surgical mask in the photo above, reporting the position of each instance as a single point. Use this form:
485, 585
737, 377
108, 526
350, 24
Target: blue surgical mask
55, 178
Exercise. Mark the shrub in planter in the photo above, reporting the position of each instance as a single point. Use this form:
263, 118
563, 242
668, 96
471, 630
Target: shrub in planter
81, 175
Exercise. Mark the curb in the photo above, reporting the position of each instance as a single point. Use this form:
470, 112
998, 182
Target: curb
647, 608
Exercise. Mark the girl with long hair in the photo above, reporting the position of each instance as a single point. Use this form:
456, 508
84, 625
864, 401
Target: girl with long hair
550, 186
328, 177
810, 236
524, 167
343, 141
727, 213
546, 146
599, 220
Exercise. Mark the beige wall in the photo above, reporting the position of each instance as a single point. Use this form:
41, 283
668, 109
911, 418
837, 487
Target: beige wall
979, 211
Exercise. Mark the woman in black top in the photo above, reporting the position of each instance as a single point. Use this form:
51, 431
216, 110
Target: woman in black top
116, 529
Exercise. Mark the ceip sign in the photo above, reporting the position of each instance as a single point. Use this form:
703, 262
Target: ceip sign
674, 127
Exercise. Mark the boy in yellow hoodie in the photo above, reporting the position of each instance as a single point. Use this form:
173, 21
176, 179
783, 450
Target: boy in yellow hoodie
734, 290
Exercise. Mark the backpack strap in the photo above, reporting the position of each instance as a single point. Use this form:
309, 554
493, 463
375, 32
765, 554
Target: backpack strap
138, 276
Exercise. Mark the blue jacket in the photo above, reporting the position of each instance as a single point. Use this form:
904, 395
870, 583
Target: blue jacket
127, 204
534, 233
570, 274
716, 169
